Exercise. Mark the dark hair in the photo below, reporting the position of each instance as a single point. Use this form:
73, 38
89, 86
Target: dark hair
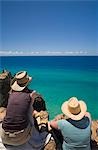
39, 104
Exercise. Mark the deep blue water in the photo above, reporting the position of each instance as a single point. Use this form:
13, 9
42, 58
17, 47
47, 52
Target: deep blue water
64, 62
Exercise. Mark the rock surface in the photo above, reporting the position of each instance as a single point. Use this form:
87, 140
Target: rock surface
5, 78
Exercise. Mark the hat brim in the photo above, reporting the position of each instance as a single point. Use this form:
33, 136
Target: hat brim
79, 116
18, 88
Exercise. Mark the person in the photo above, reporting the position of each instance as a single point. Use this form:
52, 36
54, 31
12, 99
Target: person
16, 125
76, 128
41, 118
40, 114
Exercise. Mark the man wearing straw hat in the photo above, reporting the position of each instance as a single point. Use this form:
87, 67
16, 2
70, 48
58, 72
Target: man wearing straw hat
16, 127
76, 129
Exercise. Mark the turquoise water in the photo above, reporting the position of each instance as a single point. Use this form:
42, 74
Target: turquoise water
59, 78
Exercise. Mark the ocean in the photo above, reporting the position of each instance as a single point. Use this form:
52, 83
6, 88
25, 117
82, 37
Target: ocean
57, 78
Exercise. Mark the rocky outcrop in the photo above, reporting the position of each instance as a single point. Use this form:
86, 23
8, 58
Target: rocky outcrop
5, 78
94, 136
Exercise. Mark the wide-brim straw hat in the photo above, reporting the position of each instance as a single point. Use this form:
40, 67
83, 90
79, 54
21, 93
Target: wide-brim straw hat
20, 81
74, 108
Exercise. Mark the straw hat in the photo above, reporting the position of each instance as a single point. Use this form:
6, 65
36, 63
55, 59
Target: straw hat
20, 81
74, 109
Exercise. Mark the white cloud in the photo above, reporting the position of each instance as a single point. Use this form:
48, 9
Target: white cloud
45, 53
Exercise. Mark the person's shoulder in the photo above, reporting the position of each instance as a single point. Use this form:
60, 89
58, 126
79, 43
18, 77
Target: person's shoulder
62, 123
32, 93
88, 115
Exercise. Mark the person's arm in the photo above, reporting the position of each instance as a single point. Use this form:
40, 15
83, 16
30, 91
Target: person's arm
53, 124
33, 95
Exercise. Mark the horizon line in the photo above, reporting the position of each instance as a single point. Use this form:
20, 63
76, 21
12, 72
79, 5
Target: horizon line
47, 53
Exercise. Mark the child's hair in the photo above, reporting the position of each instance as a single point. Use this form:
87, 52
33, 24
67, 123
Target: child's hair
39, 104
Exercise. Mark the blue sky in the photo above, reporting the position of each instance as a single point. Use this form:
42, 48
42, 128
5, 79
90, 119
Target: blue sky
49, 27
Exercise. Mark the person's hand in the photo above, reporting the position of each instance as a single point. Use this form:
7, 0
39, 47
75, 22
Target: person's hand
33, 95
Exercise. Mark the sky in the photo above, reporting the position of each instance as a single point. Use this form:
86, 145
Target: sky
48, 27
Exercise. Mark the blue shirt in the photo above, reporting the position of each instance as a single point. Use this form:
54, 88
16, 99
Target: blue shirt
74, 138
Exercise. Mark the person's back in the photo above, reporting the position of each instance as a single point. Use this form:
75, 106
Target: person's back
17, 109
75, 138
16, 126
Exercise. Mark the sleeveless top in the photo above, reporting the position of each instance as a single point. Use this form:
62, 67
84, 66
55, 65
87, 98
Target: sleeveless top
74, 138
16, 118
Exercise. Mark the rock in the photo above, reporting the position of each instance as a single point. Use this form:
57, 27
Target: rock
94, 135
5, 79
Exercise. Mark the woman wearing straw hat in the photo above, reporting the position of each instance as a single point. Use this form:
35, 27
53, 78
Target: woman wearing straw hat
76, 130
16, 127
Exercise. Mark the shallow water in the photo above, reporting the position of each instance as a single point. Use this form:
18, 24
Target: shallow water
59, 78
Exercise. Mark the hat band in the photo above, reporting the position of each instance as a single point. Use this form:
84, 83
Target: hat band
74, 110
21, 75
23, 80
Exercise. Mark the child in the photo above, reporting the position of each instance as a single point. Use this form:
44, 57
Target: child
41, 118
